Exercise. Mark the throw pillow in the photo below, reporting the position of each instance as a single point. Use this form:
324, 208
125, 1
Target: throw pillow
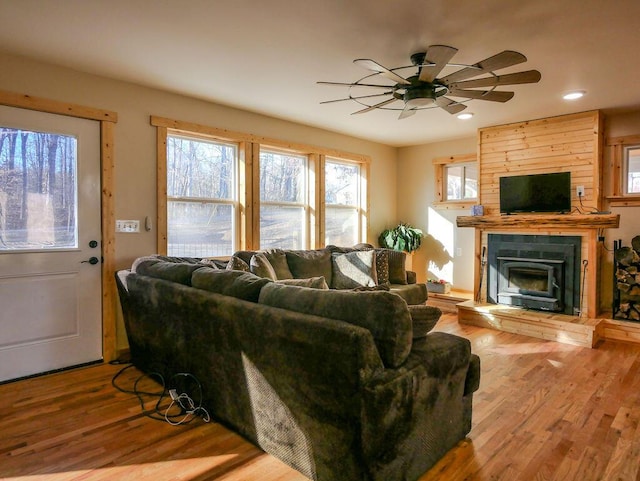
424, 318
278, 260
397, 271
169, 271
311, 282
237, 264
261, 267
382, 266
354, 269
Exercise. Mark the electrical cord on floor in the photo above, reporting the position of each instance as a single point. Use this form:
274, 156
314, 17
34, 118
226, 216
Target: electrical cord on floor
185, 404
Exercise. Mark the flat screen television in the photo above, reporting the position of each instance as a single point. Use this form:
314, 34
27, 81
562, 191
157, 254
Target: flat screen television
536, 193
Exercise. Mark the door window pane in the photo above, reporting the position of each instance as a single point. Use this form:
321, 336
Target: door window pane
38, 196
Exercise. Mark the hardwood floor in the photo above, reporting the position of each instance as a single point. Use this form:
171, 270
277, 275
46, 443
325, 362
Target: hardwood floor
544, 411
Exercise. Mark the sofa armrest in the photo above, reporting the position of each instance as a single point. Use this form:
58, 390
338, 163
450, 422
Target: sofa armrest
411, 277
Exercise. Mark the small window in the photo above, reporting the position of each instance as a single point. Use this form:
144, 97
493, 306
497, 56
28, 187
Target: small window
462, 181
456, 181
632, 169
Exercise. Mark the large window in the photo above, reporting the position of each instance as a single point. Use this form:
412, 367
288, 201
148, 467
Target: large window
342, 203
283, 200
221, 191
201, 197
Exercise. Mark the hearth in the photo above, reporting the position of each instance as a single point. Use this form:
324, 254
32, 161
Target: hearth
535, 272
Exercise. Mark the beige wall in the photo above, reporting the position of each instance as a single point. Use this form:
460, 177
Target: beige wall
135, 154
447, 251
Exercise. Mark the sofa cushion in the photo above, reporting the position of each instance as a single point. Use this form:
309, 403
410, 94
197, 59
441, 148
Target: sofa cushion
397, 270
311, 282
423, 319
310, 263
237, 264
242, 285
169, 271
278, 260
261, 267
384, 314
354, 269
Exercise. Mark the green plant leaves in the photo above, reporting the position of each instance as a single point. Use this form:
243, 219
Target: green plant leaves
403, 237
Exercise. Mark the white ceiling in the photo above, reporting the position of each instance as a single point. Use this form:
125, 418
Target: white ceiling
267, 55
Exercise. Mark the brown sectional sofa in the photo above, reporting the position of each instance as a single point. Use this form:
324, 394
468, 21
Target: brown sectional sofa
340, 384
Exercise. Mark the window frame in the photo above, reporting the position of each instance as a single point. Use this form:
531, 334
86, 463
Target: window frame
249, 145
234, 202
361, 207
441, 164
618, 148
306, 203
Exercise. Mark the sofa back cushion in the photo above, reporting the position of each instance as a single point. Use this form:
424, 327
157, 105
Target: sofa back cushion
169, 271
239, 284
310, 263
384, 314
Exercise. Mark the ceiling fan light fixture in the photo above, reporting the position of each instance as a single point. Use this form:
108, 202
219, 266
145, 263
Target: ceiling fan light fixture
574, 95
465, 116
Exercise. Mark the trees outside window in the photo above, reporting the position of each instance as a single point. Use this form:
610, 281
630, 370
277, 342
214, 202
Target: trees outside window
283, 200
201, 197
342, 203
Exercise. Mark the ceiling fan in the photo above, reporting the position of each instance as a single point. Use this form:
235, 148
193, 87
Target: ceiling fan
425, 89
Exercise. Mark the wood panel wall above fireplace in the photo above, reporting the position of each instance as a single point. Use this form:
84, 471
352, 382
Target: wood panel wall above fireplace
570, 143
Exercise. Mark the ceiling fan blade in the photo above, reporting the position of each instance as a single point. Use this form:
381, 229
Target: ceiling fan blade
530, 76
342, 84
356, 98
376, 106
449, 105
491, 95
439, 56
406, 112
384, 71
498, 61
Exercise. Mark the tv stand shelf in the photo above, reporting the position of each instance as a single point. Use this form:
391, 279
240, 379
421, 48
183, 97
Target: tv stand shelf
540, 221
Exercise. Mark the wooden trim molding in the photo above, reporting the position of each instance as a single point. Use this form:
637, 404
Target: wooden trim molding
107, 120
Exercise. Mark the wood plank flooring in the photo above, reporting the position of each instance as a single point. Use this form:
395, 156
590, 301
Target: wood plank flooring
544, 411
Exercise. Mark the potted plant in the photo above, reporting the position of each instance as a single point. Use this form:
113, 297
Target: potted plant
403, 237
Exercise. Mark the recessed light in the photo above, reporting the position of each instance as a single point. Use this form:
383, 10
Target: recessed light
574, 95
465, 116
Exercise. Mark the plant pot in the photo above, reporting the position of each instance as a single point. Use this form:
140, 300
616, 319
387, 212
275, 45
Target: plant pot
438, 287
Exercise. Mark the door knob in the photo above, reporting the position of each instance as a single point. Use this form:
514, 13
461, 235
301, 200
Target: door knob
93, 261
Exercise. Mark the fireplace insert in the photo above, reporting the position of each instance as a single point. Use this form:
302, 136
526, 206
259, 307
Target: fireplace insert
534, 272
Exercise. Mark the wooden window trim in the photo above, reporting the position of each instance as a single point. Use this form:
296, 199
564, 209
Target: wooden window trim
617, 146
440, 163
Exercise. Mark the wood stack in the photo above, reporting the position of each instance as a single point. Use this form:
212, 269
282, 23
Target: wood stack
628, 281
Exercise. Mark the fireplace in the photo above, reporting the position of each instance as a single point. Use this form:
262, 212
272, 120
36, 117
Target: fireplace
534, 272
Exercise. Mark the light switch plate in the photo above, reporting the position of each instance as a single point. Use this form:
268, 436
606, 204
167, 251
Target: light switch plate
129, 226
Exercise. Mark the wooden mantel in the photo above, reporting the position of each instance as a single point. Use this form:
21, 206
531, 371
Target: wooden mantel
541, 221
